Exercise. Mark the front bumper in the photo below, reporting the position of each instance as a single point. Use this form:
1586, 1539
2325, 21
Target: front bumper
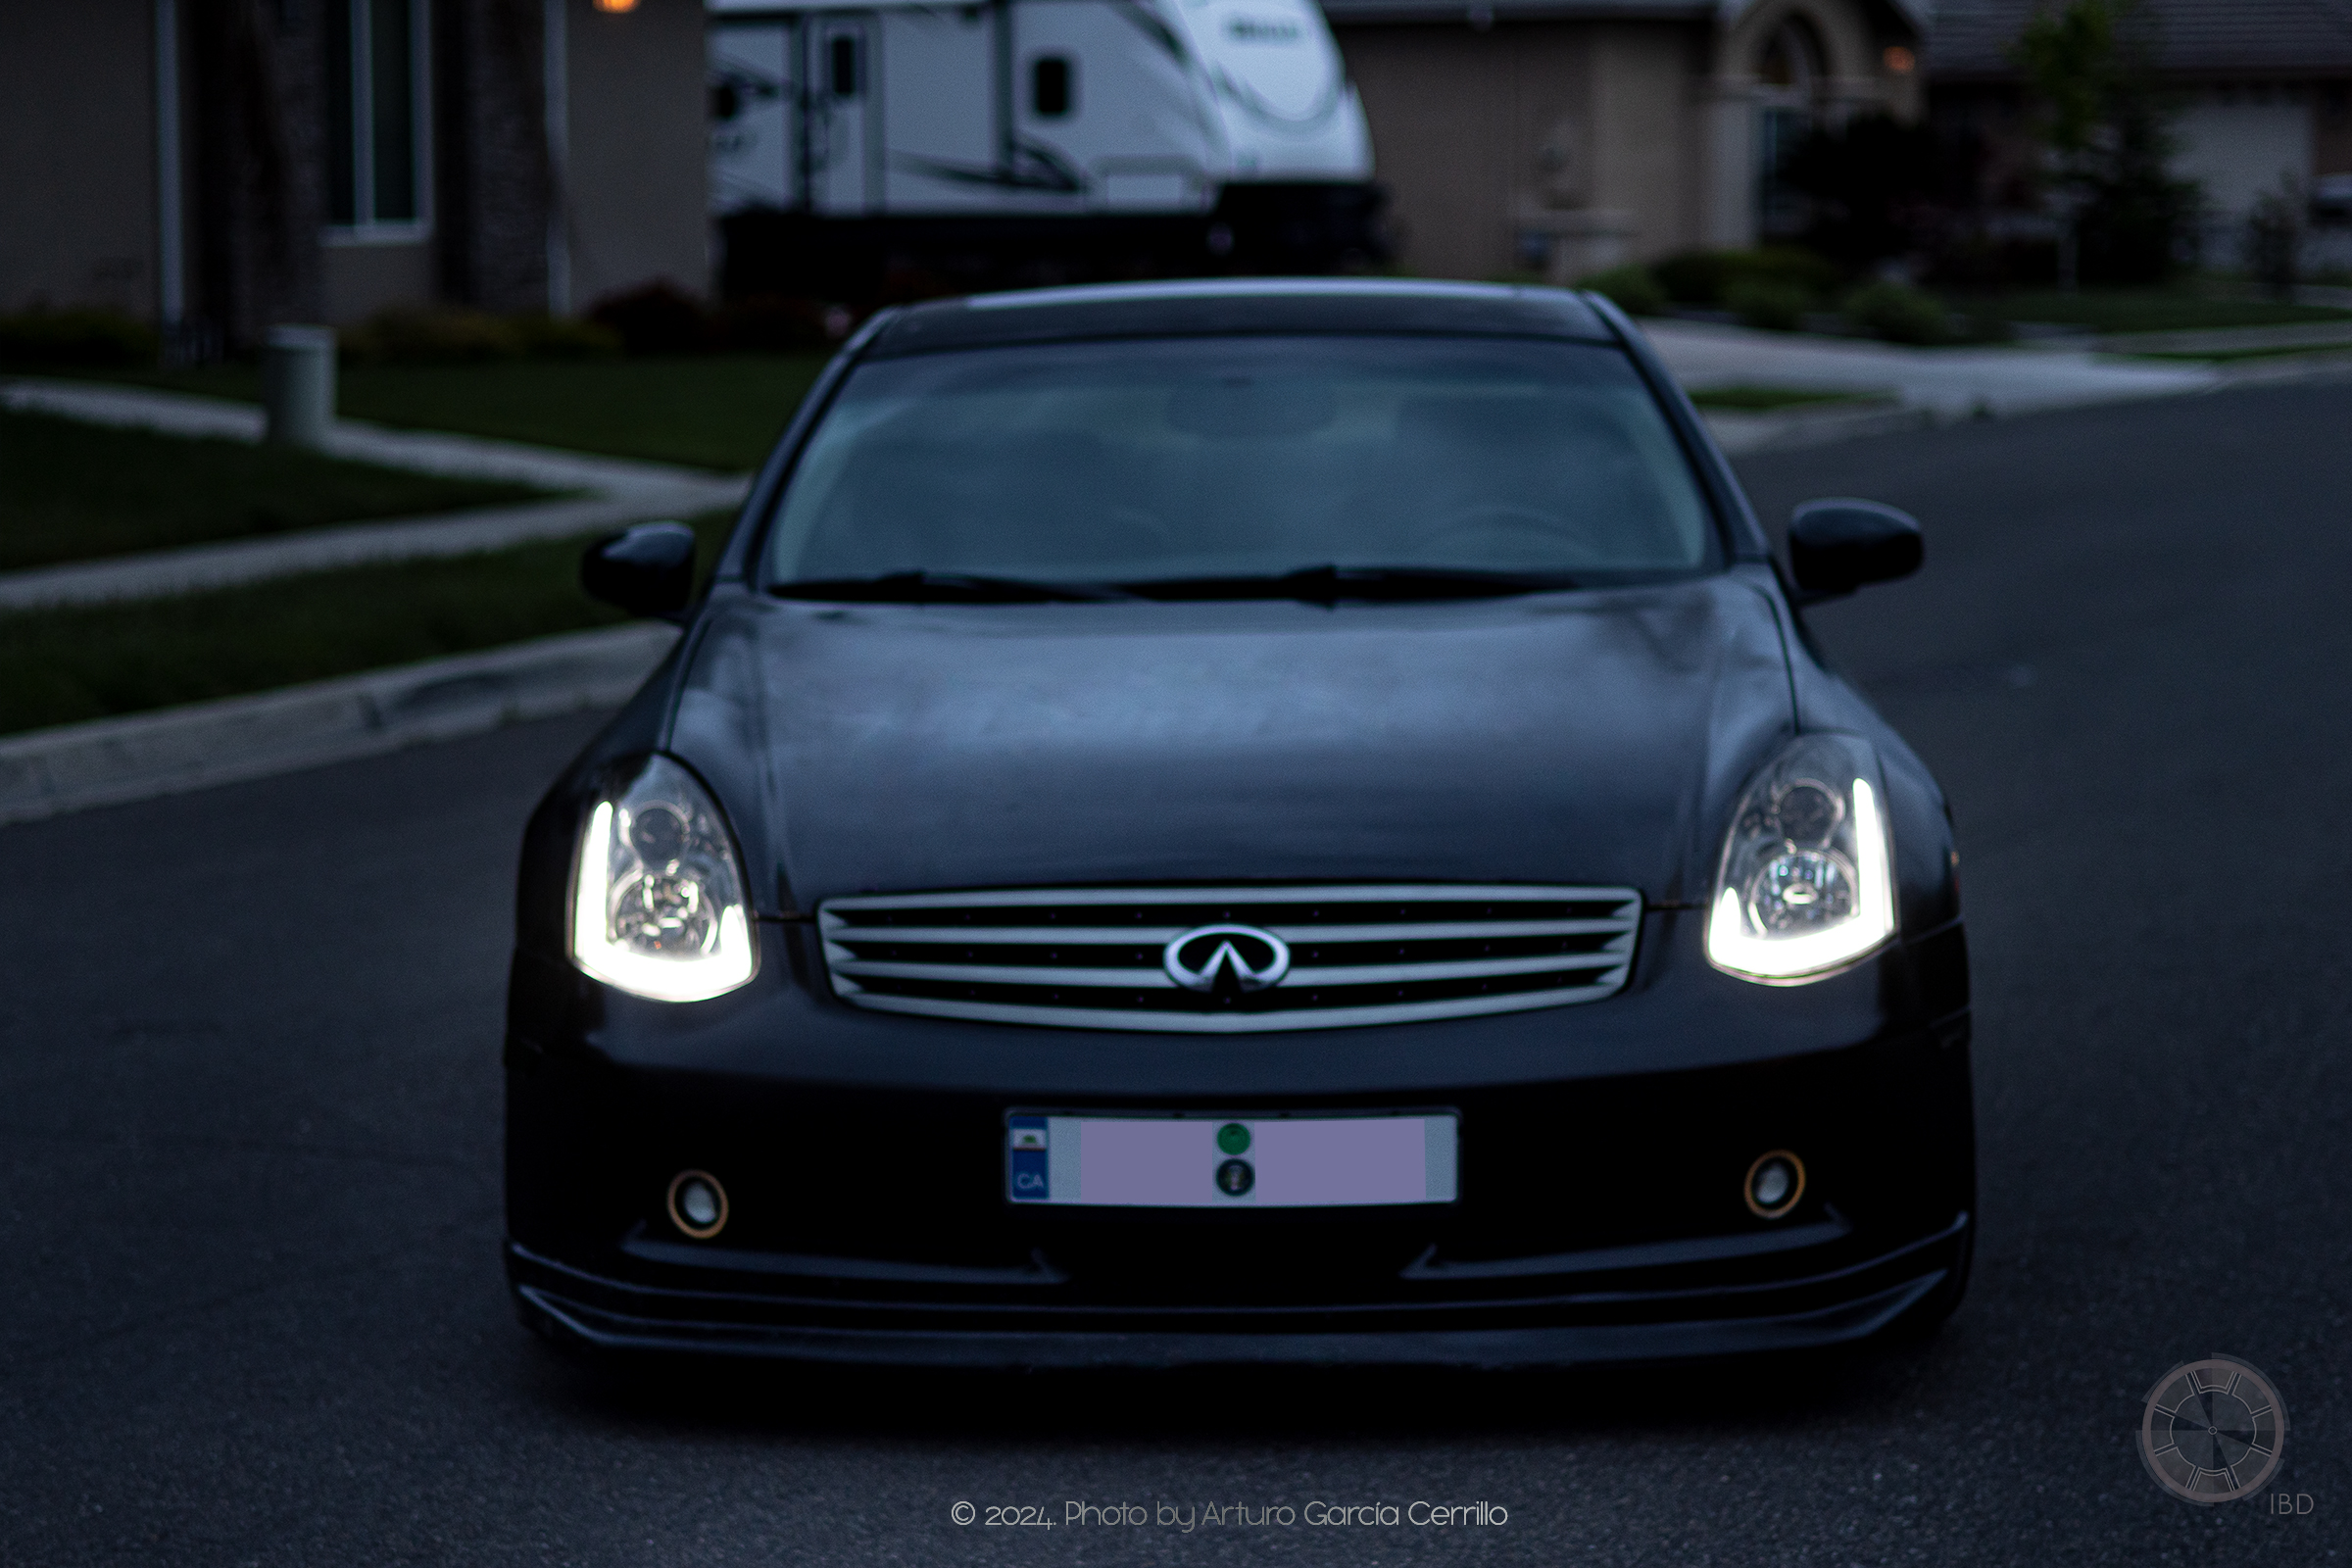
1601, 1216
1583, 1321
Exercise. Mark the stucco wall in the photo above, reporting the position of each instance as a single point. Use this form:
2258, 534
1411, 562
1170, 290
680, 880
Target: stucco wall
1649, 152
77, 166
1619, 140
636, 165
1467, 125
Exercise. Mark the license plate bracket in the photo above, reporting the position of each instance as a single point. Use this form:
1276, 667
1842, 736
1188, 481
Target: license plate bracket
1243, 1160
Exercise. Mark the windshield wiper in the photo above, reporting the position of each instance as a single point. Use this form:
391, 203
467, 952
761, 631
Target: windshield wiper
1334, 584
946, 587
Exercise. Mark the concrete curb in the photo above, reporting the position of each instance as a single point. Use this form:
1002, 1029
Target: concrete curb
1740, 434
115, 760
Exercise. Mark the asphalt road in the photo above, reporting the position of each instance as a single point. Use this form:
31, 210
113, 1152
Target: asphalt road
249, 1115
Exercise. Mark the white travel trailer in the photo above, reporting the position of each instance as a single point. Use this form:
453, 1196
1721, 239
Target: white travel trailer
1211, 132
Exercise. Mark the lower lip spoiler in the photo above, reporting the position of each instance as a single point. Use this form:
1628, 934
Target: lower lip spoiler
577, 1308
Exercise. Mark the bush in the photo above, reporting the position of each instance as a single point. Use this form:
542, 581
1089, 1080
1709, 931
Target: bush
418, 334
774, 323
1773, 304
450, 334
1708, 278
75, 337
559, 337
1632, 288
1899, 314
657, 318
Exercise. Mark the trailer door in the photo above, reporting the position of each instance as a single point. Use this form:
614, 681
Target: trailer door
846, 161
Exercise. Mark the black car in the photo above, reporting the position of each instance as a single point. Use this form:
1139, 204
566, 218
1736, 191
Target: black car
1243, 821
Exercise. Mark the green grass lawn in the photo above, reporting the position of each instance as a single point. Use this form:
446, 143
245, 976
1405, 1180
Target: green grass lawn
720, 410
62, 666
1770, 399
2141, 309
70, 491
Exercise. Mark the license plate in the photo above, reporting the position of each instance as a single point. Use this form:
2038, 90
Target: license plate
1230, 1161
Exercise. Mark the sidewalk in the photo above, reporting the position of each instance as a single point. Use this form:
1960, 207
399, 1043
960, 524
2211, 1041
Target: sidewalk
620, 492
1946, 383
462, 457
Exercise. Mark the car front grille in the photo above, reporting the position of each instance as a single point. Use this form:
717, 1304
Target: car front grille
1097, 958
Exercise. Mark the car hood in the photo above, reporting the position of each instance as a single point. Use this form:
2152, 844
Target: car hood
1593, 737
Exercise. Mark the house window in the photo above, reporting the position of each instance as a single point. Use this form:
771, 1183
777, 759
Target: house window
377, 160
1050, 86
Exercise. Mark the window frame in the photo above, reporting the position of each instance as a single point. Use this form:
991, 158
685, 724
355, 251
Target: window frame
365, 228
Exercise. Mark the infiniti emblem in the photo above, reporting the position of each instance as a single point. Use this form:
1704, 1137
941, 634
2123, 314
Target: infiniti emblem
1226, 959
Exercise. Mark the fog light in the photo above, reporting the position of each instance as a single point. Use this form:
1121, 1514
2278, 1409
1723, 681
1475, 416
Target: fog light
698, 1204
1775, 1182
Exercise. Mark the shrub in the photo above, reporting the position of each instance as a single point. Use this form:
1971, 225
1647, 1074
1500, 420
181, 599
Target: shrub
775, 324
657, 318
559, 337
1707, 277
75, 337
431, 334
1899, 314
450, 334
1632, 288
1771, 304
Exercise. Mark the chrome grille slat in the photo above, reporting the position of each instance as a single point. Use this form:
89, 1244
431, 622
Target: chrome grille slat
1003, 975
1129, 936
1001, 957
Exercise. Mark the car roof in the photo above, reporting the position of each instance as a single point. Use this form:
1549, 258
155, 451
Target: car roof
1219, 307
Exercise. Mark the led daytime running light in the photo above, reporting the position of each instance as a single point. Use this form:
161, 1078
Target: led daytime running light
1807, 883
673, 930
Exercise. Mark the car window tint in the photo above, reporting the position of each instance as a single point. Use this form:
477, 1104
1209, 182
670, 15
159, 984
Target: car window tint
1200, 457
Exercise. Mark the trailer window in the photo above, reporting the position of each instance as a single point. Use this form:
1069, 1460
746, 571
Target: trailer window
1202, 456
1050, 86
845, 65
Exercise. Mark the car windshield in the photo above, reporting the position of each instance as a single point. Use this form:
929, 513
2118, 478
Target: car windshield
1226, 461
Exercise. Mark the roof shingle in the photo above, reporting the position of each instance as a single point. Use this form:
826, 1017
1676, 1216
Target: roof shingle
2194, 37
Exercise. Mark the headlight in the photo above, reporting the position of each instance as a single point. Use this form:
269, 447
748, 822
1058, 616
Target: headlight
656, 903
1806, 886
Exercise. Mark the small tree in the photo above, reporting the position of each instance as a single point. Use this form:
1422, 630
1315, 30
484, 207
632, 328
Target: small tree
2275, 239
2104, 124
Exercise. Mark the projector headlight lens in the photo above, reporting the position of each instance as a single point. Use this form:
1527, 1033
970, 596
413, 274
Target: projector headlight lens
1806, 885
658, 894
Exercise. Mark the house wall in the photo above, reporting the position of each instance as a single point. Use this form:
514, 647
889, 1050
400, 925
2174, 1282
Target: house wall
1473, 130
2238, 150
1649, 144
1572, 145
359, 280
77, 192
636, 166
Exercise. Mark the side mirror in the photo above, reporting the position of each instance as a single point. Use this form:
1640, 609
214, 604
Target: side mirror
1835, 547
647, 571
